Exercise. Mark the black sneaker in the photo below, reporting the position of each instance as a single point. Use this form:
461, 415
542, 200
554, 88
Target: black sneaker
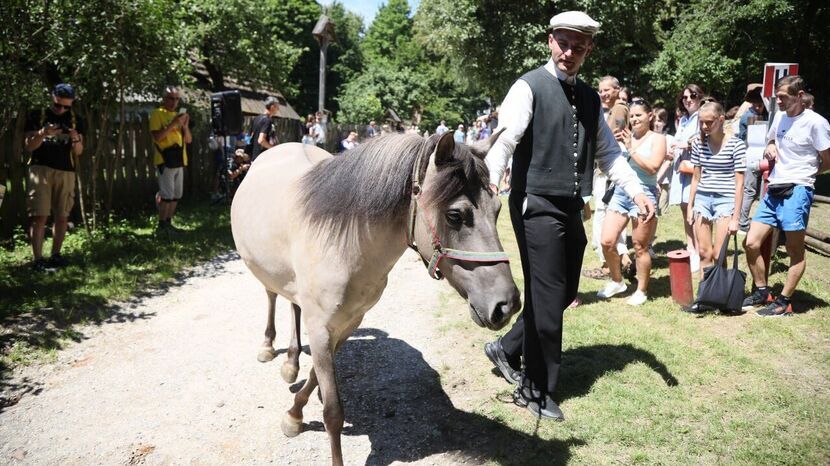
57, 261
495, 353
756, 299
542, 407
42, 265
775, 309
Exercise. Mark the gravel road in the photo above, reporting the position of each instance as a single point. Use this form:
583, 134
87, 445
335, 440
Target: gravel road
176, 381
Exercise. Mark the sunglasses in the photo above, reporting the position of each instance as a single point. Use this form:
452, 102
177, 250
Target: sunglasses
61, 106
639, 102
691, 96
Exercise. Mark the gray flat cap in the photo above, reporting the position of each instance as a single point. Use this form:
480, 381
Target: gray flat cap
575, 21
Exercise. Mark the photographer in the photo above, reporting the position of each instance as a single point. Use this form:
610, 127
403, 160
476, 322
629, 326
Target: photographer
170, 135
54, 136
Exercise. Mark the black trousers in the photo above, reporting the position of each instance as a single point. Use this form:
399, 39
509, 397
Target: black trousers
551, 242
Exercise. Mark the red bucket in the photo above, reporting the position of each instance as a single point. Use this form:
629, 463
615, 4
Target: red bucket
680, 275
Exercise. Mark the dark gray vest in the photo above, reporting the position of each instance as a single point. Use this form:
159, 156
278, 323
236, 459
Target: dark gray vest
555, 157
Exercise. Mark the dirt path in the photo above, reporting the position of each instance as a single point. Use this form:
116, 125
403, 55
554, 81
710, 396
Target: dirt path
178, 382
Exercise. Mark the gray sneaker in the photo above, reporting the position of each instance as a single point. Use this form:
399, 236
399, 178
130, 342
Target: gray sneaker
495, 353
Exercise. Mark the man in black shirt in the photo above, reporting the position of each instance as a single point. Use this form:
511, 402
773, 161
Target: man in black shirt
262, 131
54, 137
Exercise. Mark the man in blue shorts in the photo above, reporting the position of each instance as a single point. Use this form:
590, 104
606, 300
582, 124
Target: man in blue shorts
799, 142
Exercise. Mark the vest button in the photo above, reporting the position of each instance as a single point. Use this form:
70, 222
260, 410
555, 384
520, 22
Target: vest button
576, 155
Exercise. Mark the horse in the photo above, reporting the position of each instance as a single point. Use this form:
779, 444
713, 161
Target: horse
324, 232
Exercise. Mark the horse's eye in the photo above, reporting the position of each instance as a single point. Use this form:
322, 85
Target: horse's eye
454, 217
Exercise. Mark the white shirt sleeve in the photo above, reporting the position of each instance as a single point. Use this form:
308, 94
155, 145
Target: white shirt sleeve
612, 163
514, 116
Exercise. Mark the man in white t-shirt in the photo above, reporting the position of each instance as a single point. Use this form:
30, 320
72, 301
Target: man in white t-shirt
799, 142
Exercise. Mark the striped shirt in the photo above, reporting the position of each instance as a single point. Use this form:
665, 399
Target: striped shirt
718, 170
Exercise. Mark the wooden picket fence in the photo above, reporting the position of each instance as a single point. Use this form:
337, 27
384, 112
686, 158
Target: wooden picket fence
116, 176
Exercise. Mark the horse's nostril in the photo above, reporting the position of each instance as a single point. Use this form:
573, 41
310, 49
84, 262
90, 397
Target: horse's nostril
498, 312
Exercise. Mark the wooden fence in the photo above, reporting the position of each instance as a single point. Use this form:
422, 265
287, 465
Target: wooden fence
115, 173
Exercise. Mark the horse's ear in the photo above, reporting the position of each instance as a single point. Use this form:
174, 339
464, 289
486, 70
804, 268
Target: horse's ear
446, 146
481, 148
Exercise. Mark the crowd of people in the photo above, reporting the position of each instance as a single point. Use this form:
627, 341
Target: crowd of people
567, 143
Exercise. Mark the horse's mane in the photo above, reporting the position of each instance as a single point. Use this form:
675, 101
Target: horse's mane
372, 182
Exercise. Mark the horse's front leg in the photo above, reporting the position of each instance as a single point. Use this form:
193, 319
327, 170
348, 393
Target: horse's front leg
291, 366
267, 352
322, 354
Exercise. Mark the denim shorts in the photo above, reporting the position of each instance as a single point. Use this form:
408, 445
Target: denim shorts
623, 204
788, 214
713, 206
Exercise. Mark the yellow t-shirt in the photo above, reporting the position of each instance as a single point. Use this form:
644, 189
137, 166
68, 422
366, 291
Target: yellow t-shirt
159, 119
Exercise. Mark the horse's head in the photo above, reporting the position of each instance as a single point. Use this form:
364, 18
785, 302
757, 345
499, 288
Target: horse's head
455, 225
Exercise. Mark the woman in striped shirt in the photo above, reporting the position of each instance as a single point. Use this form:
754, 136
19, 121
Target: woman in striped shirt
717, 185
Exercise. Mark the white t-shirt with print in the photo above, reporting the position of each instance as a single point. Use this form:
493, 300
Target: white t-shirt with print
798, 139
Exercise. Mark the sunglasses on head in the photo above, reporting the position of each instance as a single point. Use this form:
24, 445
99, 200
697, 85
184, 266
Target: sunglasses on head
639, 102
692, 95
61, 106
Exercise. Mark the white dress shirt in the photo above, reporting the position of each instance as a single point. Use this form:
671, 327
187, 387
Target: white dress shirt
514, 116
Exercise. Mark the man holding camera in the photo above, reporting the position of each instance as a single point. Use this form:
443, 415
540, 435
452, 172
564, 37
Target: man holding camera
262, 130
170, 135
798, 141
54, 137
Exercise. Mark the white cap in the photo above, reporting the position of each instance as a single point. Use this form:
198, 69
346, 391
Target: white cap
575, 21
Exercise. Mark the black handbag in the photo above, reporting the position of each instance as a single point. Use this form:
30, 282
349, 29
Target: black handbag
723, 288
173, 156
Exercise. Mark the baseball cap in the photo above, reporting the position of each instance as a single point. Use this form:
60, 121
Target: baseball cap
64, 91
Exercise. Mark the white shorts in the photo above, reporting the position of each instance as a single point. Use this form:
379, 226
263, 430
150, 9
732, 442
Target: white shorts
171, 183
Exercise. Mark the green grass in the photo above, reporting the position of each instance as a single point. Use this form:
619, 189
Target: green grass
653, 385
39, 311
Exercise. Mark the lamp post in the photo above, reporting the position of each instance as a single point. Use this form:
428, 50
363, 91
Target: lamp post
324, 33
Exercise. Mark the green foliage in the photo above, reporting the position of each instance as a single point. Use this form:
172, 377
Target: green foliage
247, 38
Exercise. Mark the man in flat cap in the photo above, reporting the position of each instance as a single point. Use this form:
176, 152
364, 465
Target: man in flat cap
555, 130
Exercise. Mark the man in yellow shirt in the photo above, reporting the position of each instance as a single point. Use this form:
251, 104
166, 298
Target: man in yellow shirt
171, 134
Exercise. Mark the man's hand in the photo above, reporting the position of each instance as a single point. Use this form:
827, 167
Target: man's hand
184, 120
52, 130
771, 152
645, 206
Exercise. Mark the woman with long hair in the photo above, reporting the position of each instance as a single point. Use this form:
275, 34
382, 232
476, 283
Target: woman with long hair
717, 185
645, 150
688, 101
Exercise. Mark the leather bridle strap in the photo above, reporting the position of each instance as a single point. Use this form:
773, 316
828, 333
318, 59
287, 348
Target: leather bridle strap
438, 251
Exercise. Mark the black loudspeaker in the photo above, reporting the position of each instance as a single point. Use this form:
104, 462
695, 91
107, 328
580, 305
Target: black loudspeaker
226, 113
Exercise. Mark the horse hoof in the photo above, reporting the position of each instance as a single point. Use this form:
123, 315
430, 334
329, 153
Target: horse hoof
267, 354
291, 426
289, 372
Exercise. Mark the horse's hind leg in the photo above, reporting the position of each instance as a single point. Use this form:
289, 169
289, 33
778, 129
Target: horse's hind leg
292, 422
267, 352
291, 366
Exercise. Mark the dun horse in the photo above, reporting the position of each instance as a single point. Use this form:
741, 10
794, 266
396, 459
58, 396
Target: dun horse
324, 232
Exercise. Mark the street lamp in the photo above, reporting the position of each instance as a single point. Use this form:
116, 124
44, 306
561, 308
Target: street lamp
324, 33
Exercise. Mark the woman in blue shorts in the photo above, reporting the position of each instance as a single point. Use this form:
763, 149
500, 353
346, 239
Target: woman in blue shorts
688, 128
645, 150
717, 184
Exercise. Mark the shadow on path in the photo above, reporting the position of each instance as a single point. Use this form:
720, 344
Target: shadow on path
391, 395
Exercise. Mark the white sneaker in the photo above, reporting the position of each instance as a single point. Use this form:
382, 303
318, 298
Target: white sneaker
695, 262
612, 288
637, 298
